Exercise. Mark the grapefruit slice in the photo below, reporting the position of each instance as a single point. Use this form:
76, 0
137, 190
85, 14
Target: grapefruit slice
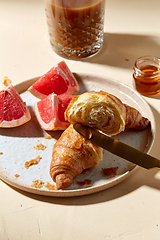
50, 111
13, 111
58, 80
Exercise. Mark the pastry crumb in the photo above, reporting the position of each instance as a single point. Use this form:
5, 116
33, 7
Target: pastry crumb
112, 171
83, 183
37, 183
48, 137
32, 162
50, 186
1, 153
40, 147
16, 175
6, 81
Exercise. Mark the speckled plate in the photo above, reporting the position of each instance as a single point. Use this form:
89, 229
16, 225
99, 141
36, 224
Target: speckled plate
17, 144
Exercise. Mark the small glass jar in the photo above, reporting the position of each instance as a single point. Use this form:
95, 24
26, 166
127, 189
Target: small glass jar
146, 75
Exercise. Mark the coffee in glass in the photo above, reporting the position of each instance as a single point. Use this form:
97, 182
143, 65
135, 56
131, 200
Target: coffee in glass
75, 26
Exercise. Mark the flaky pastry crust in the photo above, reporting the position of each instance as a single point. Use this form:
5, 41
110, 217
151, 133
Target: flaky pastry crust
105, 112
72, 154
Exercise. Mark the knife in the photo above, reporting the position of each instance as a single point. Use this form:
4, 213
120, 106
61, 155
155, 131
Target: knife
118, 148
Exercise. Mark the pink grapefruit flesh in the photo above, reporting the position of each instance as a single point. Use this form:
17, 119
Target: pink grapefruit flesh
50, 111
58, 80
13, 111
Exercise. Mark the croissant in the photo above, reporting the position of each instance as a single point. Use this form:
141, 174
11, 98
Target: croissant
105, 112
72, 154
134, 119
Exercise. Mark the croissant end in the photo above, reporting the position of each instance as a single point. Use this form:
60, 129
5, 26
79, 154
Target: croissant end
63, 181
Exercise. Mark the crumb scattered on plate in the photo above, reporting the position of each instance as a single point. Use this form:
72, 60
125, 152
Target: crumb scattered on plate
16, 175
37, 183
32, 162
82, 183
48, 137
40, 147
6, 81
1, 153
50, 186
110, 171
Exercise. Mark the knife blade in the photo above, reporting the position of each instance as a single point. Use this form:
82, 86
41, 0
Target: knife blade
118, 148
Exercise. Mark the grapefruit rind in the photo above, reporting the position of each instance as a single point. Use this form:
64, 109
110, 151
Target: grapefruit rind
18, 122
35, 93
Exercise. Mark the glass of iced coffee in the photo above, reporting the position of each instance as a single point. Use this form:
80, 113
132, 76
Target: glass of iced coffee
75, 27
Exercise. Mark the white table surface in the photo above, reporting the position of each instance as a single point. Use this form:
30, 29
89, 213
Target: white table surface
129, 210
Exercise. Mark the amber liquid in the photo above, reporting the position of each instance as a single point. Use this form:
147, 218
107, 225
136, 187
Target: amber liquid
75, 26
148, 83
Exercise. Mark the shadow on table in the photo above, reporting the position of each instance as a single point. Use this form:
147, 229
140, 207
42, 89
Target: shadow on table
140, 178
121, 50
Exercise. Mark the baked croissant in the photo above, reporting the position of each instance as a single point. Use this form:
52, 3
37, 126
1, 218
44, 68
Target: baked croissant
72, 154
134, 119
105, 112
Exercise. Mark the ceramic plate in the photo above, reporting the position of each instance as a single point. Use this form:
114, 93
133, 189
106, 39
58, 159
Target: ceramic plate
17, 144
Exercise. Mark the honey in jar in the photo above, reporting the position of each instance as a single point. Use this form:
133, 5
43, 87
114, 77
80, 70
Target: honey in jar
146, 75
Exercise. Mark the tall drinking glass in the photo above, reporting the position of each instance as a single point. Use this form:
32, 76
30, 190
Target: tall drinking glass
75, 26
